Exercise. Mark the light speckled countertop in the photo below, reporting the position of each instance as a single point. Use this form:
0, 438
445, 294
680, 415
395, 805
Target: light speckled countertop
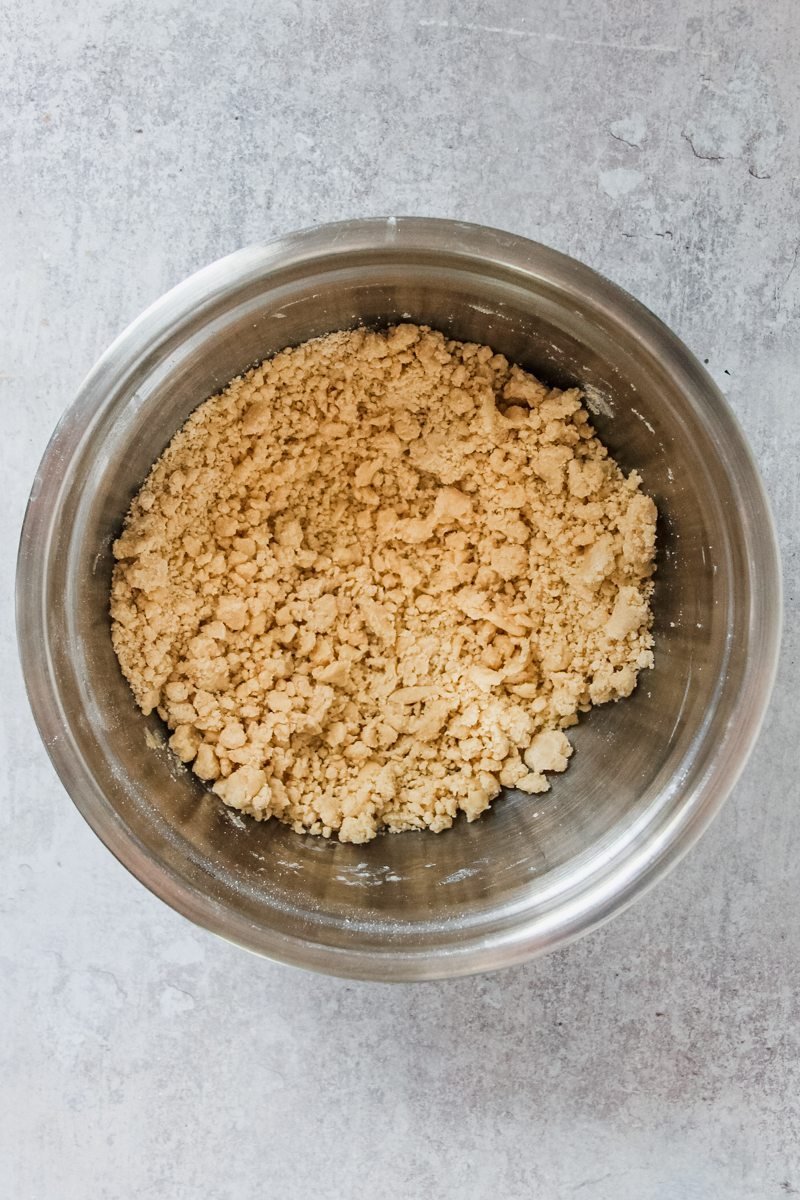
659, 1058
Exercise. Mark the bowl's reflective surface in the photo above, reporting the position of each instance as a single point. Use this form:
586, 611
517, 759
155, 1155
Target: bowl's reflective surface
648, 773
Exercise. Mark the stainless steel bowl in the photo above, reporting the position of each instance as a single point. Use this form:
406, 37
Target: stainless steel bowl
648, 773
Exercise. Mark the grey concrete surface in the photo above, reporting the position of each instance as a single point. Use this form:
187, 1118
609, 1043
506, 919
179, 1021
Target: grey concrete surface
141, 1057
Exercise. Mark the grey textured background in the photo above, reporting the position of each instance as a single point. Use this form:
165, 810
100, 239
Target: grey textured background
658, 142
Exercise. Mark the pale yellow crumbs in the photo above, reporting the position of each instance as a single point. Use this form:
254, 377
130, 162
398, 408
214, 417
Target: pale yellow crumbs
371, 583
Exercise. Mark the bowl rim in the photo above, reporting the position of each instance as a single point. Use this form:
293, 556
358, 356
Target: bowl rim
534, 934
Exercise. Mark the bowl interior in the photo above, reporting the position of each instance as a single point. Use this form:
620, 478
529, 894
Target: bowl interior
414, 893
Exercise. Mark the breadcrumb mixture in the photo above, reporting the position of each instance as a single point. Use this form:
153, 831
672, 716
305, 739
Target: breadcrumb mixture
371, 583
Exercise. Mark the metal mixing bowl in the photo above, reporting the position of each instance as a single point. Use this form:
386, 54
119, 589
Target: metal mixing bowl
648, 773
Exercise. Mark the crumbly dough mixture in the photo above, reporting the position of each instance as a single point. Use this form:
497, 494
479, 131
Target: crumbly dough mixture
372, 582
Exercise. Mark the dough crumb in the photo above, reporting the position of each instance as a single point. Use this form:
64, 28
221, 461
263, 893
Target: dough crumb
371, 582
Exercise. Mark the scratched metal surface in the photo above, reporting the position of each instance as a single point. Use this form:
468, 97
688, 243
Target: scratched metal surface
657, 1058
